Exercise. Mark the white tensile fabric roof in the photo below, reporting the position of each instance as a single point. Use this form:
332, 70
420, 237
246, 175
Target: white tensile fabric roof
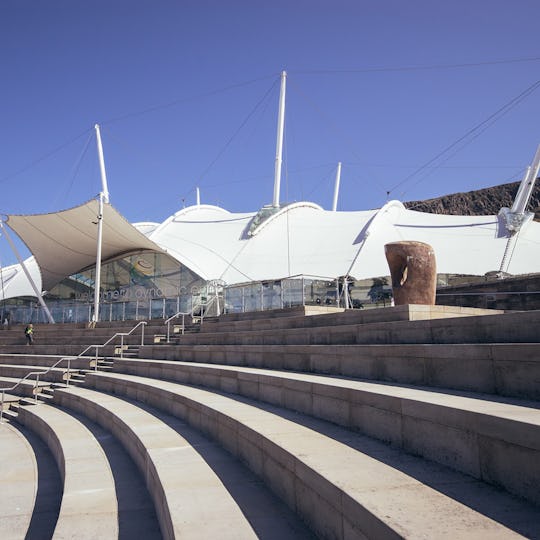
13, 280
299, 239
305, 239
65, 242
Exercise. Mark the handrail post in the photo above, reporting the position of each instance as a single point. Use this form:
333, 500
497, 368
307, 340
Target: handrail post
168, 330
2, 405
122, 346
142, 333
183, 323
36, 388
95, 365
68, 372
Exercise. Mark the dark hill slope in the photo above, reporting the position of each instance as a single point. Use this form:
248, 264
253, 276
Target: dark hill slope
485, 201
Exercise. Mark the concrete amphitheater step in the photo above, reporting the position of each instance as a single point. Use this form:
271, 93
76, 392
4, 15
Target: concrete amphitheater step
468, 432
512, 327
411, 312
192, 499
30, 486
26, 388
58, 374
89, 505
44, 360
341, 483
508, 369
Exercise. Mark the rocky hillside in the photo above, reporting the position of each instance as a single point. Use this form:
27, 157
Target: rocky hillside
477, 203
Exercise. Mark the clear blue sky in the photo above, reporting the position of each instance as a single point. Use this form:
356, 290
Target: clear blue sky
186, 93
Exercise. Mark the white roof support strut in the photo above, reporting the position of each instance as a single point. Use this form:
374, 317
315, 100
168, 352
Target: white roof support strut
23, 266
104, 186
336, 187
279, 142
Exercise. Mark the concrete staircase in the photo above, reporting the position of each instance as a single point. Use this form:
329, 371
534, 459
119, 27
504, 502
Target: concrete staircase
404, 422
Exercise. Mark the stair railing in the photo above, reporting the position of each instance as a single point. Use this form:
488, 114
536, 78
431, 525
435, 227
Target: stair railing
175, 316
142, 324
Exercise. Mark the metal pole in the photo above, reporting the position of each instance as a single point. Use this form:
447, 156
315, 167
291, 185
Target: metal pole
104, 186
336, 187
97, 281
23, 266
279, 142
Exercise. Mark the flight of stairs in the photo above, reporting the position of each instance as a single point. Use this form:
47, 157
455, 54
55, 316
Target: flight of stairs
403, 422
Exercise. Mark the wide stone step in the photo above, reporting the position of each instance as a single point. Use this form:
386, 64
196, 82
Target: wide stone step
512, 327
58, 374
44, 360
227, 323
30, 485
89, 505
192, 499
26, 388
467, 432
18, 482
341, 483
508, 369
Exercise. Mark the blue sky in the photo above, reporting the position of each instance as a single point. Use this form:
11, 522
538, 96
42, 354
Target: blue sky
186, 93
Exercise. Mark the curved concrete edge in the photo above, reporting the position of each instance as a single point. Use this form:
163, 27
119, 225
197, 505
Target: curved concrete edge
18, 482
190, 500
89, 507
473, 435
337, 490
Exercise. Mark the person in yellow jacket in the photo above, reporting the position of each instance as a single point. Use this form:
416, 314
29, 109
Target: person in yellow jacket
29, 334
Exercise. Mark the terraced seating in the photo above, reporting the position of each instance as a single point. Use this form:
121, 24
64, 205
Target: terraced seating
340, 483
410, 422
89, 505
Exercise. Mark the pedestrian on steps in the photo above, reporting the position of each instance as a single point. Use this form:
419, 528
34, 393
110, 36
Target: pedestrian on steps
29, 334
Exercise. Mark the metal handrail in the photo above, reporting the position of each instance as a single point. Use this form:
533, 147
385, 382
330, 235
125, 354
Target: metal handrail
68, 358
175, 316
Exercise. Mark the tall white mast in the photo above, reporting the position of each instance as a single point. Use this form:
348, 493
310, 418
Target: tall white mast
103, 197
336, 187
279, 143
104, 186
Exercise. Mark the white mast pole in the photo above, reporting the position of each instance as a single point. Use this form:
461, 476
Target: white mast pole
336, 187
97, 280
23, 266
104, 186
279, 142
198, 197
103, 197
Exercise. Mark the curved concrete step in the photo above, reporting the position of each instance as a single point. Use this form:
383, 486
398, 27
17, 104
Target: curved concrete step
58, 374
508, 369
26, 388
191, 499
328, 475
470, 433
89, 505
18, 483
44, 360
513, 327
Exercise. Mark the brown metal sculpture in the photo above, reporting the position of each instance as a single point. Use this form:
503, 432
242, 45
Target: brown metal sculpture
413, 271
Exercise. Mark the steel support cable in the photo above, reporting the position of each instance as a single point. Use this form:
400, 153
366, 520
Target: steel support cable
492, 118
233, 136
76, 167
178, 101
44, 157
417, 68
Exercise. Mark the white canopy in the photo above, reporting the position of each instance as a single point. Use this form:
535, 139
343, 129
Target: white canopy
302, 238
65, 242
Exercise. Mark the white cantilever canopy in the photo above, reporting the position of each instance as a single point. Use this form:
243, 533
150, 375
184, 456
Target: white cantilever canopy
64, 242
